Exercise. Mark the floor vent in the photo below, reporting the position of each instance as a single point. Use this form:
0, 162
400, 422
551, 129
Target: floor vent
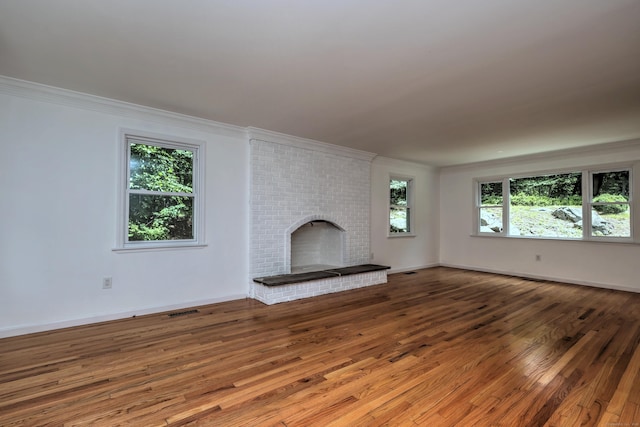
182, 313
410, 272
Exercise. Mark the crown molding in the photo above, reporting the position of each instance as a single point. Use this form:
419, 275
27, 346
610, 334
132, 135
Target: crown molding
257, 134
69, 98
391, 162
567, 153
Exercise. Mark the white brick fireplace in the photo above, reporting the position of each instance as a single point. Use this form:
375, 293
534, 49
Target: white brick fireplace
296, 183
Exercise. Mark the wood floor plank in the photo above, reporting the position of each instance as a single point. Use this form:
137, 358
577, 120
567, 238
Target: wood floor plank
441, 347
630, 378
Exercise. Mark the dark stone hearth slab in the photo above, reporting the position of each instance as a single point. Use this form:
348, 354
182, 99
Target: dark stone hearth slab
287, 279
358, 269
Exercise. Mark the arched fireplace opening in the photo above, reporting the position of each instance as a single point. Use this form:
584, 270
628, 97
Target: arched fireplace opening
317, 245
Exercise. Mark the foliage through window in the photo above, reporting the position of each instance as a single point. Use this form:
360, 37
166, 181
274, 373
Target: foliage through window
609, 202
490, 208
558, 205
400, 206
546, 206
161, 194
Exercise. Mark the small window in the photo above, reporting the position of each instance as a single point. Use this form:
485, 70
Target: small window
162, 195
610, 204
400, 195
490, 207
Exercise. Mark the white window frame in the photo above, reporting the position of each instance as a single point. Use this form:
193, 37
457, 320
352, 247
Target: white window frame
588, 204
478, 206
587, 191
409, 208
198, 149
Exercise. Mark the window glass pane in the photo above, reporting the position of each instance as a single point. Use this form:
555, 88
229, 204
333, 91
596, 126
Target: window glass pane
613, 224
546, 206
491, 193
610, 214
160, 217
613, 184
398, 192
491, 220
399, 206
160, 169
398, 220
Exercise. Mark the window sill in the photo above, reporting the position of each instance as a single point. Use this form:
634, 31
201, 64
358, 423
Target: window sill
622, 240
393, 236
153, 248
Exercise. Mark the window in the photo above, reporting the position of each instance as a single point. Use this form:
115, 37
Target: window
400, 195
490, 207
609, 202
162, 203
546, 206
588, 204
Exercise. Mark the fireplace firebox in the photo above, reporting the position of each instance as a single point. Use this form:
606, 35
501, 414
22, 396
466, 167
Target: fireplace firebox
317, 245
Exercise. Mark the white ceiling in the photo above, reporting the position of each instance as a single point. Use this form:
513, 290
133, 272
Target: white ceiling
434, 81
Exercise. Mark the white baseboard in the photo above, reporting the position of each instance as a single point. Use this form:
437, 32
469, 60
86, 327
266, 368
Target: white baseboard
420, 267
543, 277
33, 328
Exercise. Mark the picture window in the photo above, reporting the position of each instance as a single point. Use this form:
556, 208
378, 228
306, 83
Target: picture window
588, 204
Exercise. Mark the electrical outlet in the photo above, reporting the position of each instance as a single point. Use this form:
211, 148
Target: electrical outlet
106, 283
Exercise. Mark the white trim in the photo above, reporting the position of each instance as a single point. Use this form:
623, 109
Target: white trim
405, 269
410, 180
256, 134
397, 163
42, 327
543, 277
172, 246
568, 153
84, 101
611, 240
588, 208
477, 207
199, 149
400, 235
635, 201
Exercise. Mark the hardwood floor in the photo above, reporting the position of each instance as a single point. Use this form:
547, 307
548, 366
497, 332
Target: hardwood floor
441, 347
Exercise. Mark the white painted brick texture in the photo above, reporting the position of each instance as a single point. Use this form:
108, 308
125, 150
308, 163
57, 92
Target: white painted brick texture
289, 184
277, 294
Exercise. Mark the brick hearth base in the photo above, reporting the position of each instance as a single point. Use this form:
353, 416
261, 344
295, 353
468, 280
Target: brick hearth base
294, 291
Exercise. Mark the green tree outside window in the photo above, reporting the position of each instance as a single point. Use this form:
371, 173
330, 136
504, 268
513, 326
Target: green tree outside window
161, 194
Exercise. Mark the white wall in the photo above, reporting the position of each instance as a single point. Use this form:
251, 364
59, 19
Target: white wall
58, 211
611, 265
58, 163
405, 253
